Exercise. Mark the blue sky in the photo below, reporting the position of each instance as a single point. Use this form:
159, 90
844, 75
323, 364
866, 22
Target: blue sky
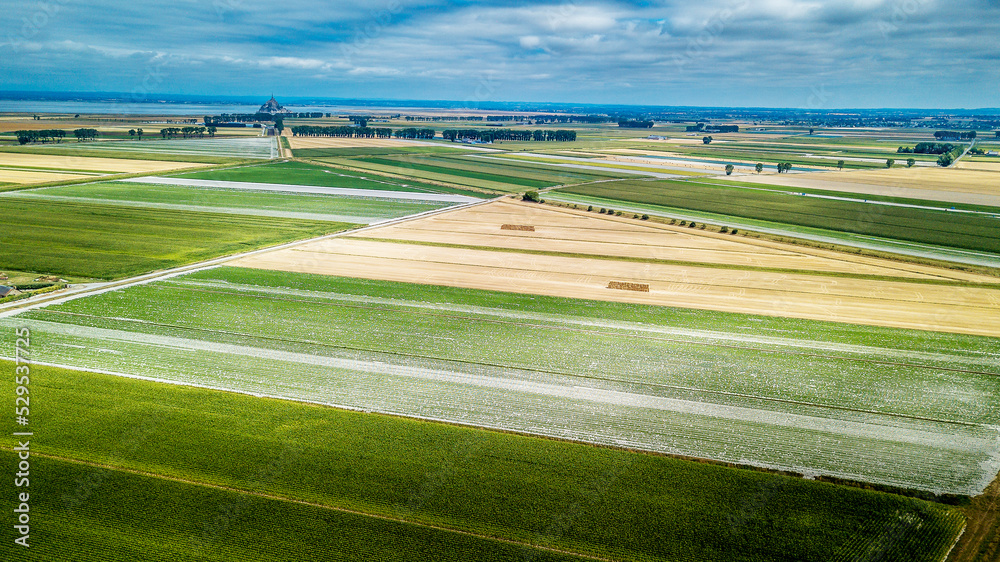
771, 53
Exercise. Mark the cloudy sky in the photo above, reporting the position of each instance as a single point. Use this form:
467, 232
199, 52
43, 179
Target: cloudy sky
772, 53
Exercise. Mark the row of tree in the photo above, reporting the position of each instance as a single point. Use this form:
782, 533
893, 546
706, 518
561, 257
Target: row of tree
537, 119
635, 124
223, 119
43, 136
341, 131
491, 135
927, 148
413, 133
702, 127
53, 135
186, 132
961, 135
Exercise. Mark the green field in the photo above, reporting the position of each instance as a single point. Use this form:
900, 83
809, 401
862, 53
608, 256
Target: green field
477, 172
335, 208
862, 197
941, 228
229, 448
901, 408
125, 516
375, 151
107, 241
300, 173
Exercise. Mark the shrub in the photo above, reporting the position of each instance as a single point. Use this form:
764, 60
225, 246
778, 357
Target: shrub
590, 207
734, 231
530, 196
603, 210
645, 217
693, 224
724, 229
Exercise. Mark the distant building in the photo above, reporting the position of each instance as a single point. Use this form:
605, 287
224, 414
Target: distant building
993, 153
6, 291
656, 137
272, 107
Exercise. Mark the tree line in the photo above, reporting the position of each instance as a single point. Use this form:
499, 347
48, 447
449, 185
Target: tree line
927, 148
341, 131
186, 132
221, 120
491, 135
635, 124
52, 135
414, 133
702, 127
966, 135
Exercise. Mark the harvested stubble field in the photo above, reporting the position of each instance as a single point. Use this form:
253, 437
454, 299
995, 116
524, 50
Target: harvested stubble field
8, 176
193, 474
903, 408
713, 273
109, 165
256, 147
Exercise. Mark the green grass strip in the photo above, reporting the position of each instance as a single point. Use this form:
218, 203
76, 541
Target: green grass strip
596, 501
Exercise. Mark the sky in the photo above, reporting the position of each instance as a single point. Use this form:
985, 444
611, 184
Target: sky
773, 53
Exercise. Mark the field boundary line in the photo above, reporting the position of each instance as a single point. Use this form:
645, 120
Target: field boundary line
276, 497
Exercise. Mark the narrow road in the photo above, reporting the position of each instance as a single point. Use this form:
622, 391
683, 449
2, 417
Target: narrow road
967, 149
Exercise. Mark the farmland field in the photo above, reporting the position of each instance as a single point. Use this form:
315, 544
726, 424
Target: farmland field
130, 516
953, 185
107, 241
974, 232
300, 173
575, 253
486, 174
335, 208
236, 148
909, 409
130, 466
41, 162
